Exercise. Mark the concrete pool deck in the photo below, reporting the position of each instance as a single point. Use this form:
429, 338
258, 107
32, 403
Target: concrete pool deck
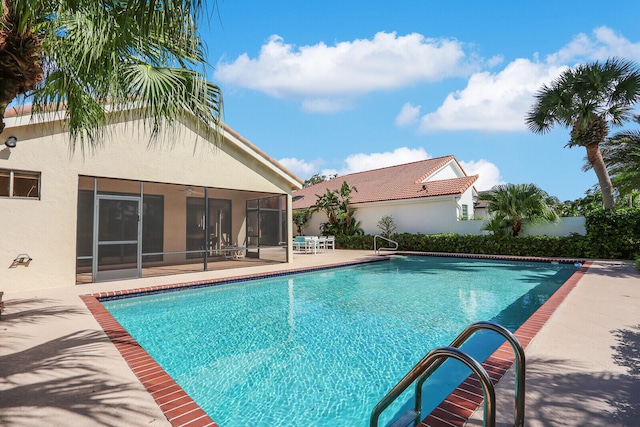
58, 368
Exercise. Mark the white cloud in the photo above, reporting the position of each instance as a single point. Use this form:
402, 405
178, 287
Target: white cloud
408, 115
346, 69
500, 101
363, 162
492, 102
604, 44
300, 167
329, 172
489, 174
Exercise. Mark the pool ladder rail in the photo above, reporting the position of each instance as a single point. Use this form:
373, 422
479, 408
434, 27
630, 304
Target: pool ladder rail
435, 358
377, 250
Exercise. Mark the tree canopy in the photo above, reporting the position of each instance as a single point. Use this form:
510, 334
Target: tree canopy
317, 179
340, 216
621, 154
97, 61
587, 99
512, 205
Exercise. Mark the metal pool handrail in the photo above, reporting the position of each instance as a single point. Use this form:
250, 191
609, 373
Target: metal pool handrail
375, 246
520, 365
429, 364
437, 356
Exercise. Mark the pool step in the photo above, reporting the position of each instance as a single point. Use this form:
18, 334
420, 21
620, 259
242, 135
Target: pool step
407, 419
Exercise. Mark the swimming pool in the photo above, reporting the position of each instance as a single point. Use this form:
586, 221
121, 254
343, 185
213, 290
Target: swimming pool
322, 348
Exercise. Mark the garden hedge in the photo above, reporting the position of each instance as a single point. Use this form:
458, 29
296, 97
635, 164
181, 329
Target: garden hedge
610, 235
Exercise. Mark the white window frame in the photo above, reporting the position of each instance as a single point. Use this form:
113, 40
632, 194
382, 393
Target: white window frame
12, 176
464, 212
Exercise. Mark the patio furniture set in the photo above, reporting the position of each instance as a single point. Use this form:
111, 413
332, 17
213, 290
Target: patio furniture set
314, 244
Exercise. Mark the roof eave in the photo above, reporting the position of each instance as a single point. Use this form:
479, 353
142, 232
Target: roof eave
22, 116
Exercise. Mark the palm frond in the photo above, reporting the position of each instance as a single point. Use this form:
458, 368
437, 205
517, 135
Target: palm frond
103, 57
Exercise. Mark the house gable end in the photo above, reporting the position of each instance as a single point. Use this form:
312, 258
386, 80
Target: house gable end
448, 171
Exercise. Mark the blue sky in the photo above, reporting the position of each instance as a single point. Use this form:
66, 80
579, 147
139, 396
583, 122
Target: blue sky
343, 86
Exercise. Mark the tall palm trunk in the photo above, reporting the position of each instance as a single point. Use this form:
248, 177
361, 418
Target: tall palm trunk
590, 137
20, 68
516, 228
594, 156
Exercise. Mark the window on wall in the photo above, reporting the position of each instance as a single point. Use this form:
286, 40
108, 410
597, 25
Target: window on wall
19, 184
465, 212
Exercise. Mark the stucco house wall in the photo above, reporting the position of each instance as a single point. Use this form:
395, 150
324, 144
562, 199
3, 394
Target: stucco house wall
412, 216
434, 216
45, 228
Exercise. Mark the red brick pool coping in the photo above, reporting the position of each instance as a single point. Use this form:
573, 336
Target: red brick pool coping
181, 410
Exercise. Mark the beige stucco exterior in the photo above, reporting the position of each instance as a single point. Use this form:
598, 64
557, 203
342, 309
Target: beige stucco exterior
45, 228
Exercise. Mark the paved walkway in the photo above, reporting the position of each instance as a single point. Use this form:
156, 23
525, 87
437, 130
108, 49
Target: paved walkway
57, 367
583, 367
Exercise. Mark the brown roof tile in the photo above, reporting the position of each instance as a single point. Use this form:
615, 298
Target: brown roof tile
390, 183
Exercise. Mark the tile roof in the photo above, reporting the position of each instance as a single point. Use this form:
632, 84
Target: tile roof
391, 183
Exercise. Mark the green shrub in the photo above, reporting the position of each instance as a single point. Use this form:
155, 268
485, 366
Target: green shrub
611, 234
539, 246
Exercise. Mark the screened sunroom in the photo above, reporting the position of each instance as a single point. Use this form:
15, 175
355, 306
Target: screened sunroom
131, 229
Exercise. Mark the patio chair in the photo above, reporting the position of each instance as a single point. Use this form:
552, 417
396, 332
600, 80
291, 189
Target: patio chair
299, 243
331, 242
311, 244
322, 243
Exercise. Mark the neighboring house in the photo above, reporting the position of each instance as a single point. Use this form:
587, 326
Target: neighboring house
125, 210
480, 207
429, 196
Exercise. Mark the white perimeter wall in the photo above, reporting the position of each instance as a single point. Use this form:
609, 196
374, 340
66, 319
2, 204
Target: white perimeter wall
440, 219
564, 227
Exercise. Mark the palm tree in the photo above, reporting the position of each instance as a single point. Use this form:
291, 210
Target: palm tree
512, 205
300, 218
587, 99
329, 203
621, 154
335, 204
100, 60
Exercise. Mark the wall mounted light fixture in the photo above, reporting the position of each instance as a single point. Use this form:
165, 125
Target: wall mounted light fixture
11, 142
21, 259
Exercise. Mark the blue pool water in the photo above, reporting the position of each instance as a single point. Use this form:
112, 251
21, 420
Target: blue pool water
322, 348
